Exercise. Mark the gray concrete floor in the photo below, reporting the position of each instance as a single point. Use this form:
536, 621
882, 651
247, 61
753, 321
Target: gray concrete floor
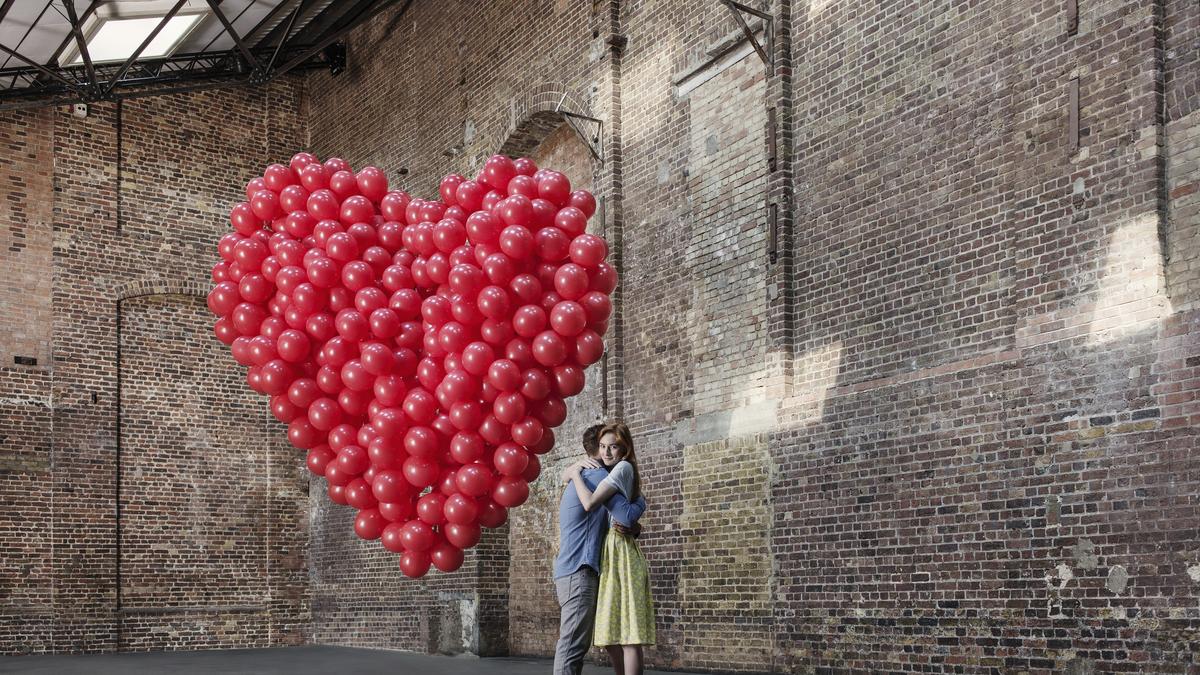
311, 660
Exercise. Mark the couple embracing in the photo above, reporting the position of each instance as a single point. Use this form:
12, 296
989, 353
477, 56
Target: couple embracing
600, 575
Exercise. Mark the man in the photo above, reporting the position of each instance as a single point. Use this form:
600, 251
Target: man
577, 568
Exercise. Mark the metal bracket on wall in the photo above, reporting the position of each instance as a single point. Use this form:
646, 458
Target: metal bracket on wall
765, 52
773, 232
576, 121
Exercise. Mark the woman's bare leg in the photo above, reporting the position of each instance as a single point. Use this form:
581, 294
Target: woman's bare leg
633, 659
616, 655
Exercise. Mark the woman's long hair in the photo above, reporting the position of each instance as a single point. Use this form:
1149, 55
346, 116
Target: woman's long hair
625, 440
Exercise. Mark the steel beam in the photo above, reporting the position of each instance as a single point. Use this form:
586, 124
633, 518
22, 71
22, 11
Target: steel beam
78, 31
368, 11
233, 34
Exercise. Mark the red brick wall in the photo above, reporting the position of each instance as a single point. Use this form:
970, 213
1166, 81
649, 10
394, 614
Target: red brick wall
136, 424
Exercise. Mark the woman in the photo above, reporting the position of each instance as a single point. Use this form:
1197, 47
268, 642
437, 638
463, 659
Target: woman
624, 608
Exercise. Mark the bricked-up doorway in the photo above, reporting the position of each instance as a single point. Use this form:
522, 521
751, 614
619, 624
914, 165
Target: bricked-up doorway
194, 480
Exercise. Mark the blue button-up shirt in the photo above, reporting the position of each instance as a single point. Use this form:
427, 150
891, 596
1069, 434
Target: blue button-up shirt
581, 533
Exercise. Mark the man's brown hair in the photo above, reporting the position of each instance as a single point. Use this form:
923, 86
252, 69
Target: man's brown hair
591, 439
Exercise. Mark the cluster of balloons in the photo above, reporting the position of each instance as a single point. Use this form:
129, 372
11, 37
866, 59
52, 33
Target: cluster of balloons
419, 350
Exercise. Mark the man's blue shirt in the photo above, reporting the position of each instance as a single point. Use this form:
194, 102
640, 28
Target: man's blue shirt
581, 533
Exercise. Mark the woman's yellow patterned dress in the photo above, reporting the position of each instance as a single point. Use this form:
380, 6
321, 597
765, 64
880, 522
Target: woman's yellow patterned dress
624, 607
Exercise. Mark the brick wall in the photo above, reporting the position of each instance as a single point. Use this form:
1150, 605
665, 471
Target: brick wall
947, 429
147, 501
950, 421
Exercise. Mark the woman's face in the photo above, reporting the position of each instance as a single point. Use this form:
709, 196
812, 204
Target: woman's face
610, 450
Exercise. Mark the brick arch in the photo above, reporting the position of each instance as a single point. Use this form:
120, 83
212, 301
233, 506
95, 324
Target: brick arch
534, 118
158, 286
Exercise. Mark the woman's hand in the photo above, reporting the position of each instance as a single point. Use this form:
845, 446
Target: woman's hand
577, 467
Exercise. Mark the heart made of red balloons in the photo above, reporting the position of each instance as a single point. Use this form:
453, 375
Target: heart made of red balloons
419, 350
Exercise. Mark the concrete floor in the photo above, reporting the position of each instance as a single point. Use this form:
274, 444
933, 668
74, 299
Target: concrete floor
311, 660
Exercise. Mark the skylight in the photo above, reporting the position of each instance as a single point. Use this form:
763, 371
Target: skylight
117, 39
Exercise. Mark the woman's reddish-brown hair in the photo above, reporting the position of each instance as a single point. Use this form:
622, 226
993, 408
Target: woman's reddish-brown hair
625, 440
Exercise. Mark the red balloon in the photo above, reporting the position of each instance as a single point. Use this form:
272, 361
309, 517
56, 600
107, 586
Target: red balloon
474, 480
337, 493
510, 491
529, 321
552, 244
510, 459
528, 431
358, 494
390, 537
391, 486
526, 288
429, 508
504, 375
517, 242
446, 557
568, 318
417, 536
318, 458
343, 183
588, 250
398, 513
533, 470
515, 210
498, 170
571, 220
568, 380
549, 349
420, 406
554, 187
466, 415
584, 201
293, 345
509, 407
369, 524
325, 414
524, 166
535, 384
551, 411
421, 441
420, 472
545, 445
589, 348
414, 564
463, 535
460, 510
491, 514
323, 204
372, 183
523, 185
571, 281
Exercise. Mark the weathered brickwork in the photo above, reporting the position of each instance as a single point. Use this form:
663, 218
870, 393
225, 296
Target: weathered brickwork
147, 501
951, 428
26, 238
969, 403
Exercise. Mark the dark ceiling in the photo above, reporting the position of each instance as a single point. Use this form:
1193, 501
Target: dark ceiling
44, 58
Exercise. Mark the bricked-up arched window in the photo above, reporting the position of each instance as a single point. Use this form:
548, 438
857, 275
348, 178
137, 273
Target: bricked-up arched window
533, 536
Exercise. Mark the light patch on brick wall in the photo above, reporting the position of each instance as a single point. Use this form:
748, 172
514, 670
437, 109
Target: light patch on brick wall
815, 373
1131, 289
725, 575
